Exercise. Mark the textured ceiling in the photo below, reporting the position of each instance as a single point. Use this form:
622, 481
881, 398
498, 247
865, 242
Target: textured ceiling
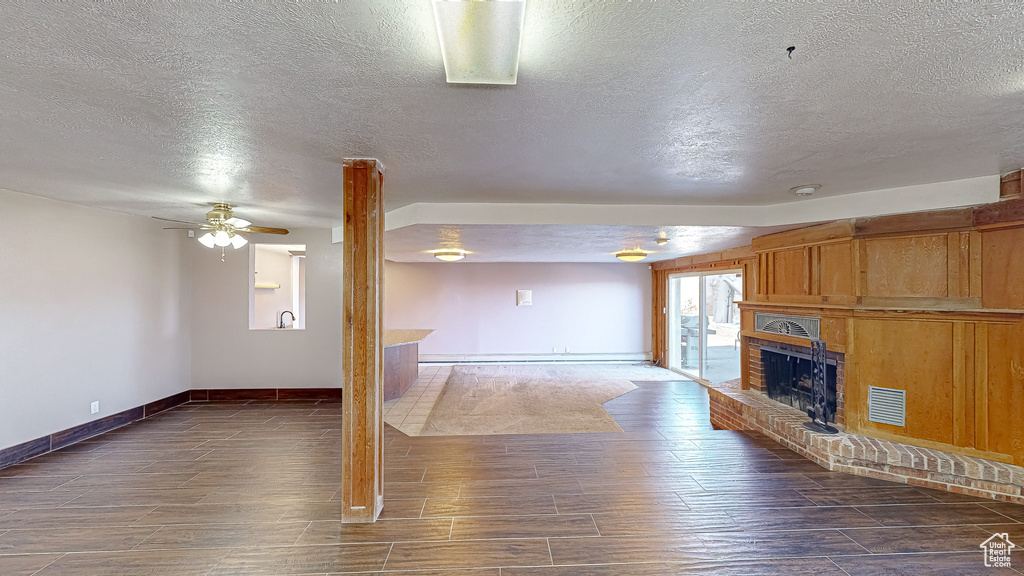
159, 108
562, 243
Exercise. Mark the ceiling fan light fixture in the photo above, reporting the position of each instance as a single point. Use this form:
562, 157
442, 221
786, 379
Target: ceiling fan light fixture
480, 40
223, 228
221, 238
449, 255
635, 255
207, 240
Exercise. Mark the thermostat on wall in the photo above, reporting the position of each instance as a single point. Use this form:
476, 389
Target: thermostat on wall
524, 297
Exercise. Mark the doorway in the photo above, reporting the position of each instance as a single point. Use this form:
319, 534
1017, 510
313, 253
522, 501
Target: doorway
704, 325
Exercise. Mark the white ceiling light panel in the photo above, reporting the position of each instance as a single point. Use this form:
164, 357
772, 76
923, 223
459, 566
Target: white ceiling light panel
480, 39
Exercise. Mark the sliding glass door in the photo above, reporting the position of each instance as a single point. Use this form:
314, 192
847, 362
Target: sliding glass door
704, 325
683, 331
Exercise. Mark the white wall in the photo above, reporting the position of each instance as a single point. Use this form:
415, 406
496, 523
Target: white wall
94, 306
300, 295
591, 309
103, 306
226, 354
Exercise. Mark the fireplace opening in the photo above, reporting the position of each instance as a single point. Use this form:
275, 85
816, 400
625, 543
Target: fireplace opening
787, 378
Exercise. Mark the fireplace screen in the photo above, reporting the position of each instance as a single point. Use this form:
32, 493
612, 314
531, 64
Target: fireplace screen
788, 377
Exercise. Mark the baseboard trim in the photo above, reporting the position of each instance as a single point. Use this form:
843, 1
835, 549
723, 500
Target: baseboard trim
263, 394
33, 448
27, 450
568, 358
24, 451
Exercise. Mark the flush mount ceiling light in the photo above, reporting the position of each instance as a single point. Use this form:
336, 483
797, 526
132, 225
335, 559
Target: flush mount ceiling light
449, 255
805, 190
480, 39
634, 255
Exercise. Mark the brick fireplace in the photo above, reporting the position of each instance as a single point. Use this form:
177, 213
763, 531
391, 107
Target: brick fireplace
757, 375
921, 312
735, 408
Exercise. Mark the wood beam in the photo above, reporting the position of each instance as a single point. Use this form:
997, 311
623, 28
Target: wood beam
362, 359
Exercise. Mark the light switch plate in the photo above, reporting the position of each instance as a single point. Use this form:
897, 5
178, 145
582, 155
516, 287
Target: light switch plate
524, 297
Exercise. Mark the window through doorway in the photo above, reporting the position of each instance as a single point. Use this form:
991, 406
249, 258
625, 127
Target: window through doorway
704, 325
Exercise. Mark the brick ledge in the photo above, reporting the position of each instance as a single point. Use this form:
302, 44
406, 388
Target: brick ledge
735, 409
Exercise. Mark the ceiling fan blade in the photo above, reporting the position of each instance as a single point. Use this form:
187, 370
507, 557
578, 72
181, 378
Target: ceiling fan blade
238, 222
178, 221
182, 228
265, 230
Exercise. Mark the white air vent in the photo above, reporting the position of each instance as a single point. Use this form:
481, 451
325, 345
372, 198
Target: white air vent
887, 406
799, 326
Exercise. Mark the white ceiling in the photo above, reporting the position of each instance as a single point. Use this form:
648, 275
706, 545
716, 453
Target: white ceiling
161, 108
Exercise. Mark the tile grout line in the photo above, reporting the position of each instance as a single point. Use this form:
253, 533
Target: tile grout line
838, 566
301, 534
388, 557
62, 555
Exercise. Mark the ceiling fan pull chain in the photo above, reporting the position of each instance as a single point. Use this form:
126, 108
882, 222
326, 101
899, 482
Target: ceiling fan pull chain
221, 253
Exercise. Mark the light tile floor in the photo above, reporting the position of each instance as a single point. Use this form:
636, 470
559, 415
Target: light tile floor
409, 413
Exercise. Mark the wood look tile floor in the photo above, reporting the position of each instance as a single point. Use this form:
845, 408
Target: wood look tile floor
248, 488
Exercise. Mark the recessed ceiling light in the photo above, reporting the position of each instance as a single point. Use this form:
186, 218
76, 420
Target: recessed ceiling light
805, 190
634, 255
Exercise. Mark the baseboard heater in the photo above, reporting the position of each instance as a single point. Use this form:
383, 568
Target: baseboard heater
484, 358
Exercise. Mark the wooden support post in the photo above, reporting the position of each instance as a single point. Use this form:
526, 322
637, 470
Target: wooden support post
362, 359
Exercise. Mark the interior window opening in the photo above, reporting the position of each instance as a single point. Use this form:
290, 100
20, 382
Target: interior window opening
277, 287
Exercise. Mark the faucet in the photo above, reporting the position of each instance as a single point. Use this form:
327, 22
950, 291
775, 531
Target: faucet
282, 318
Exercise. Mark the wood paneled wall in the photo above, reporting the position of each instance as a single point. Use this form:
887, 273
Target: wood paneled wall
931, 303
958, 374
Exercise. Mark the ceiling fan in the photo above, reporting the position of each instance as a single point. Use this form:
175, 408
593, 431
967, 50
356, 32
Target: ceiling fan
223, 227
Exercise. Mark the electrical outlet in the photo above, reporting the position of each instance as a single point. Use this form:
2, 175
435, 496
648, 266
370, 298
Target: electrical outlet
554, 349
191, 233
95, 407
524, 297
566, 349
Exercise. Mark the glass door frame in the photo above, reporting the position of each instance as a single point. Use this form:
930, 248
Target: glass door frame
672, 310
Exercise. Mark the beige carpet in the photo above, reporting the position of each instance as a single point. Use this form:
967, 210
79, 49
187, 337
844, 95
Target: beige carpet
533, 399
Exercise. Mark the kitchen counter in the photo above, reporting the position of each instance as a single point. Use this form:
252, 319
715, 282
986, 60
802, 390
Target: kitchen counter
399, 337
401, 360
